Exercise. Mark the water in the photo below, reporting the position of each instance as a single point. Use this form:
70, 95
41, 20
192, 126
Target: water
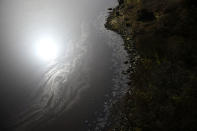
73, 92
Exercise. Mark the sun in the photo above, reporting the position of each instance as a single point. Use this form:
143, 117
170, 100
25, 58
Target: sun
47, 49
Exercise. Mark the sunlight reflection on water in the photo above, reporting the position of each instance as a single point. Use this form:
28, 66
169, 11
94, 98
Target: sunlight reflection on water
91, 58
62, 82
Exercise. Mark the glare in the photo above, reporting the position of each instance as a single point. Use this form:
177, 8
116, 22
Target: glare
47, 49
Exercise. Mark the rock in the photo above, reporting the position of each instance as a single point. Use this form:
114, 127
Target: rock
126, 62
120, 2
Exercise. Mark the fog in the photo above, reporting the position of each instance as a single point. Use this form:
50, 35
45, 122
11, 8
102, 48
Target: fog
34, 91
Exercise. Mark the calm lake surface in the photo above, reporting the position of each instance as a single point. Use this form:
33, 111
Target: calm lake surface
73, 92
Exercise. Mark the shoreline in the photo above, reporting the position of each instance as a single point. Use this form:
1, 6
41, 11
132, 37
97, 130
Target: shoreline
159, 37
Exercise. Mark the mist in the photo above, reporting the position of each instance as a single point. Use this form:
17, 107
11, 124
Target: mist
34, 91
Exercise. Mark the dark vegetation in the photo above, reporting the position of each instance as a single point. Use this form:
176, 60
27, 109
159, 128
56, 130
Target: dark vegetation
163, 93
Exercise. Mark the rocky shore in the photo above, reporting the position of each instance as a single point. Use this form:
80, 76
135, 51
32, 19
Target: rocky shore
161, 40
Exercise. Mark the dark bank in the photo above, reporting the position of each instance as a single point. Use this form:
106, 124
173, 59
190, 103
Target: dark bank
163, 91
